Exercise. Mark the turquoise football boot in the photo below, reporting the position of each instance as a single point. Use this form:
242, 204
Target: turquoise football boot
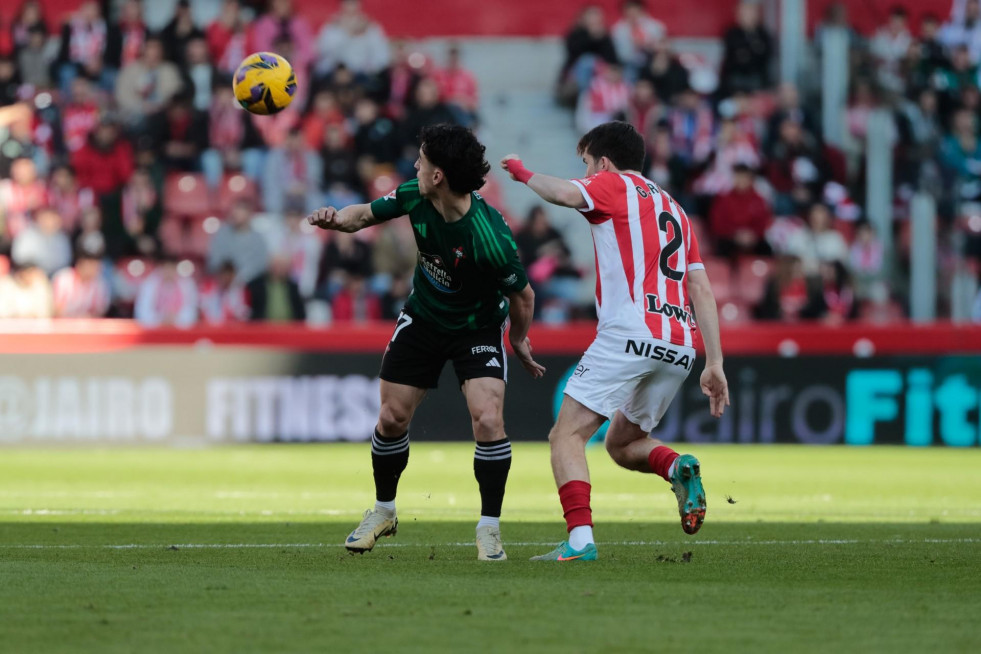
686, 482
564, 552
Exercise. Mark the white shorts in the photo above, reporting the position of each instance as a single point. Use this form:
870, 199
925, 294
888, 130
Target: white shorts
636, 376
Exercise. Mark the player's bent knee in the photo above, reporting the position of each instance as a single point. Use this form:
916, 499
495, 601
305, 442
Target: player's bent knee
393, 420
488, 425
616, 450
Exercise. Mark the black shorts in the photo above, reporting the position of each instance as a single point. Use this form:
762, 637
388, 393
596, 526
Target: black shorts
417, 352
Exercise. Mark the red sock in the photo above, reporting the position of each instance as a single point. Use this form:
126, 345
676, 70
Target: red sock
574, 496
661, 458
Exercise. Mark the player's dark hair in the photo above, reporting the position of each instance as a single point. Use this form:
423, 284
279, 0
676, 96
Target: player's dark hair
617, 141
459, 154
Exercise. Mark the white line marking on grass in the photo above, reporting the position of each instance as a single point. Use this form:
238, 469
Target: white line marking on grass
632, 543
59, 512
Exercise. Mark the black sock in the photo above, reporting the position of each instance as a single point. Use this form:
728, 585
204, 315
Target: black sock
389, 457
491, 463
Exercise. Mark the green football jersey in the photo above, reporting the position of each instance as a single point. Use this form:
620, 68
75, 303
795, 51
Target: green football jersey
464, 268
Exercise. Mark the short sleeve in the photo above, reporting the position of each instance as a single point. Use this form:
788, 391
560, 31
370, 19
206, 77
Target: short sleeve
694, 257
397, 203
604, 195
500, 252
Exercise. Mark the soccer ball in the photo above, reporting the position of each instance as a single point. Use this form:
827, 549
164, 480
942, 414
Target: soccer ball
264, 83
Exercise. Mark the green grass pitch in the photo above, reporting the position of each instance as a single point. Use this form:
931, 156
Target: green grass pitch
238, 549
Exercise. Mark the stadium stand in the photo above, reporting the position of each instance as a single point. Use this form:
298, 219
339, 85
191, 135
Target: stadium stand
118, 115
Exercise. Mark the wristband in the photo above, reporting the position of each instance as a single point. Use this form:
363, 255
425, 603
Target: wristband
516, 168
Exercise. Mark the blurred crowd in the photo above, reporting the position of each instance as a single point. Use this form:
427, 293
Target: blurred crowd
778, 207
133, 185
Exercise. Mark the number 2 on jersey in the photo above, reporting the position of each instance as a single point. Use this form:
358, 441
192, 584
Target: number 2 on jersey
671, 247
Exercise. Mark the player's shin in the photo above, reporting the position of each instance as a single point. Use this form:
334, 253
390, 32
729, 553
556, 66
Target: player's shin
574, 496
389, 458
491, 465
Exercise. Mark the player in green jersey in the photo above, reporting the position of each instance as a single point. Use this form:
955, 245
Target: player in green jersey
468, 283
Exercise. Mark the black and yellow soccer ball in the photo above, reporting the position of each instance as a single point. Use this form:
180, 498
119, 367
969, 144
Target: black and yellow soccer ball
264, 83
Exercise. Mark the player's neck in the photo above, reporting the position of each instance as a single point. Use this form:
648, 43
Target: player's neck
452, 207
617, 171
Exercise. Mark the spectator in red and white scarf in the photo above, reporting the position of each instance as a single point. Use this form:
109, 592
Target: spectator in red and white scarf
227, 37
81, 291
223, 300
607, 98
408, 67
166, 298
302, 246
281, 21
233, 142
731, 147
83, 42
141, 213
127, 37
635, 35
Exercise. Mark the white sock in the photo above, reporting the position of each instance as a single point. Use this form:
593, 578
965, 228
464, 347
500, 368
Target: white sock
487, 521
580, 537
674, 464
387, 507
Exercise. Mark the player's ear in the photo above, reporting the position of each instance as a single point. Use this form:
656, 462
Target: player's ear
438, 176
604, 164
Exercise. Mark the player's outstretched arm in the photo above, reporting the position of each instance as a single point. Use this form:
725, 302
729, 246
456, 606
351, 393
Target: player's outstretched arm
713, 380
521, 312
554, 190
349, 219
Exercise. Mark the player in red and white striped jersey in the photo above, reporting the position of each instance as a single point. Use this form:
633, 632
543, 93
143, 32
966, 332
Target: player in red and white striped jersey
650, 285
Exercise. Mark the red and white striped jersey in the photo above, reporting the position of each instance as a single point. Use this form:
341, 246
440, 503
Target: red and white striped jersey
645, 248
77, 298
